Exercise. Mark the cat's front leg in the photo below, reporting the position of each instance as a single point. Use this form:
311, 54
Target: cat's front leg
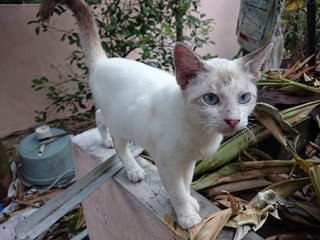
134, 171
188, 175
173, 180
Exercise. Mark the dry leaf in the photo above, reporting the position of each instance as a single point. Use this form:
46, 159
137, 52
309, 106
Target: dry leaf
225, 201
265, 203
291, 236
310, 208
286, 214
282, 190
81, 219
211, 227
237, 186
291, 70
291, 5
273, 120
169, 220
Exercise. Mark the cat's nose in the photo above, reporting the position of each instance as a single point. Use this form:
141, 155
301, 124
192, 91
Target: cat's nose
232, 122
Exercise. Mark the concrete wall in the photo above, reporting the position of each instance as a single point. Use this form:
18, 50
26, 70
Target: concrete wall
25, 56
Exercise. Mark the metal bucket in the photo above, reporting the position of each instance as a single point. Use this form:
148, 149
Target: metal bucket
54, 164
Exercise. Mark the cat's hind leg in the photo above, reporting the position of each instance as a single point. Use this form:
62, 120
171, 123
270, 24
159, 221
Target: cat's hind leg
103, 129
134, 171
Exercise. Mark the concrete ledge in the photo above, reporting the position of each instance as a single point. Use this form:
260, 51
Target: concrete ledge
122, 210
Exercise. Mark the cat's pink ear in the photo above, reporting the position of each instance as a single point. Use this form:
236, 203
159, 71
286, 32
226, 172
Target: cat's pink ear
253, 61
187, 64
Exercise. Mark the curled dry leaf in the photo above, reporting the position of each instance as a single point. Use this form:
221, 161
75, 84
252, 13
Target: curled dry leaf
224, 201
273, 120
251, 216
169, 220
291, 70
282, 190
210, 228
265, 203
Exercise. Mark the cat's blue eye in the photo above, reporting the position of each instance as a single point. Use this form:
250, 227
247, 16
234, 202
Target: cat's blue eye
210, 98
245, 98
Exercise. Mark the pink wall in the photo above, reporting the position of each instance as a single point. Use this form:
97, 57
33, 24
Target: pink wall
25, 56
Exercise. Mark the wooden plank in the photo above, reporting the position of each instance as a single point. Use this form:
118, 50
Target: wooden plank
43, 218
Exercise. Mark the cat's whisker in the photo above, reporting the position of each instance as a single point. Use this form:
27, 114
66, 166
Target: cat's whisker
206, 126
249, 134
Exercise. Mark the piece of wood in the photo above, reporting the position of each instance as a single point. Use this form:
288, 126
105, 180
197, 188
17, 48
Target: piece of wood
47, 215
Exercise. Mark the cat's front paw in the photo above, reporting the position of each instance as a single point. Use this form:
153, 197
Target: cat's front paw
195, 204
136, 174
187, 222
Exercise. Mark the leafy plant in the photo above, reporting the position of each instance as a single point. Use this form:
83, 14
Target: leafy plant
146, 28
295, 31
18, 1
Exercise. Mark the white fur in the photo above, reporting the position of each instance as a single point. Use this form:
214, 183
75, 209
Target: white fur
145, 105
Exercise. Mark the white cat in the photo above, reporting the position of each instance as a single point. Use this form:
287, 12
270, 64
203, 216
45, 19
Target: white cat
177, 119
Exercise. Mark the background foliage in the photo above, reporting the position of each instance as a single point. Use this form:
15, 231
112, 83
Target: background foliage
146, 27
295, 31
18, 1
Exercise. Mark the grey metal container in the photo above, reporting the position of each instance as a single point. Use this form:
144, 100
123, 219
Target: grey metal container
55, 164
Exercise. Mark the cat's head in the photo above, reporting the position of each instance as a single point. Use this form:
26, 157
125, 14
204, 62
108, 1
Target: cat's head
219, 93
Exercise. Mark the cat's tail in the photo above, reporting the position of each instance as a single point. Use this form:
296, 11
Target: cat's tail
89, 36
